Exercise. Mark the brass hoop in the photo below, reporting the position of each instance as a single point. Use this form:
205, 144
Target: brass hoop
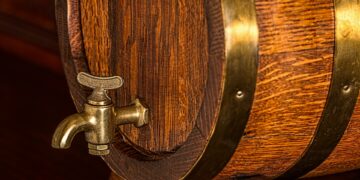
343, 92
241, 55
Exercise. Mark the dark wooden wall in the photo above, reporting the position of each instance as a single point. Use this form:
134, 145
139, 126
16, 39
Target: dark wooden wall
33, 101
34, 98
28, 30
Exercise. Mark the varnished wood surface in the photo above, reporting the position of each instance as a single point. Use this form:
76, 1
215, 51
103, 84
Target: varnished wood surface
175, 165
351, 175
71, 64
346, 155
296, 55
160, 49
96, 35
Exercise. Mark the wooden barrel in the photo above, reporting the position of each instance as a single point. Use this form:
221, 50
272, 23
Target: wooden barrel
235, 88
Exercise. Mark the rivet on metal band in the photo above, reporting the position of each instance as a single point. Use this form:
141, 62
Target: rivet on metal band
241, 53
343, 91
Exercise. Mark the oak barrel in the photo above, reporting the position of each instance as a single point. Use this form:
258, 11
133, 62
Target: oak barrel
236, 89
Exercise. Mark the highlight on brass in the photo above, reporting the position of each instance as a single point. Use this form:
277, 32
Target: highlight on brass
99, 118
343, 92
237, 89
241, 55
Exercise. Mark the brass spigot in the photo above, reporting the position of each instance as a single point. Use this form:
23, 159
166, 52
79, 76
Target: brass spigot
99, 118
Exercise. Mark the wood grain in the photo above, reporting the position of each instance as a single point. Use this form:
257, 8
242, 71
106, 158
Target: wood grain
173, 52
96, 35
75, 36
72, 65
296, 55
346, 155
174, 165
177, 164
160, 49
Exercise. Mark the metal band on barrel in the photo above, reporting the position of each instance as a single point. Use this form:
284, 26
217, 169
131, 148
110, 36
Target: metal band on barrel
343, 91
241, 53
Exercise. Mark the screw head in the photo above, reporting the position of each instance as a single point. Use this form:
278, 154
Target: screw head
239, 94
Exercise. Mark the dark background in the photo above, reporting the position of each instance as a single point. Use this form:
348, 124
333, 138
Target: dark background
35, 98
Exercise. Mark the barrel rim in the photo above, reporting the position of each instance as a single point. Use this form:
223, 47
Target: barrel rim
239, 92
241, 55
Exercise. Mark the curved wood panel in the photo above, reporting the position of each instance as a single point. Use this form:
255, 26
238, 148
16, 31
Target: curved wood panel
178, 164
93, 34
296, 54
241, 55
175, 165
145, 42
160, 48
72, 65
342, 94
346, 155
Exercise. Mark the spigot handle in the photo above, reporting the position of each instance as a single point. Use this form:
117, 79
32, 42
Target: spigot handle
94, 82
100, 85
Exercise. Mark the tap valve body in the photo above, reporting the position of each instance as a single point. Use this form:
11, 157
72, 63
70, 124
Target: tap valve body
99, 118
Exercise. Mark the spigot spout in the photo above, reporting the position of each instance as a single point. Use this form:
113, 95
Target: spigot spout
67, 129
